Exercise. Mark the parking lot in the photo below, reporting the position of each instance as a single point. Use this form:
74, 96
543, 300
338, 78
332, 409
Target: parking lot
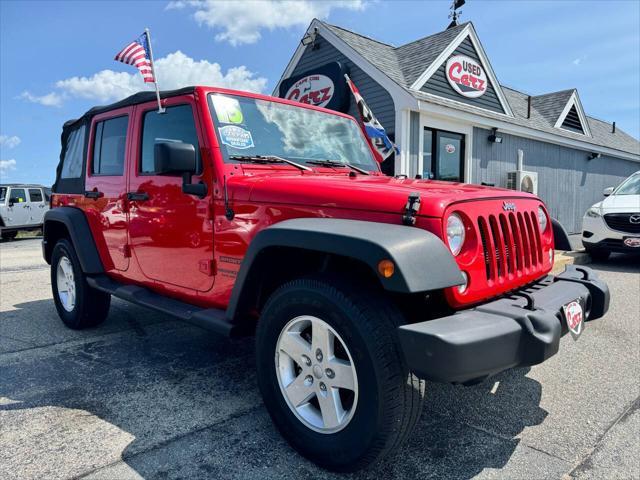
146, 396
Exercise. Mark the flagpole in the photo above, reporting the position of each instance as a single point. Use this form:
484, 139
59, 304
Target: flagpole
153, 70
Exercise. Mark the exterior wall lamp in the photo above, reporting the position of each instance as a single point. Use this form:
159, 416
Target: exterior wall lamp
494, 138
593, 156
310, 39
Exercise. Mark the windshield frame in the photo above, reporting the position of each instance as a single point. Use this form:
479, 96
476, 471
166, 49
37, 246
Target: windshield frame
374, 164
628, 180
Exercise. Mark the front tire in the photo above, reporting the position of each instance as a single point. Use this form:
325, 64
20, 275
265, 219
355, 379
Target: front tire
79, 306
337, 387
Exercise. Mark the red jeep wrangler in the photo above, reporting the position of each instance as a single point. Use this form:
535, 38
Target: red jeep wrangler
243, 213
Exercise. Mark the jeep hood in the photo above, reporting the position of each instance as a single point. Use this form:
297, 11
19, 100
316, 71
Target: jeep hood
361, 192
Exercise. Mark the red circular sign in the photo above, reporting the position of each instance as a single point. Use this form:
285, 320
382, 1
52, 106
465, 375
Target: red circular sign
466, 76
313, 89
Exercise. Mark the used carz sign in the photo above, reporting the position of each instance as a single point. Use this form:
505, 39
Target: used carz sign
313, 89
323, 87
466, 76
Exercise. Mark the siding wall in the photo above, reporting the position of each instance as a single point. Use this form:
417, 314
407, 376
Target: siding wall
377, 98
439, 85
568, 182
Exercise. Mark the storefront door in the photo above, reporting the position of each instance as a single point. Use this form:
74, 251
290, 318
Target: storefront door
443, 155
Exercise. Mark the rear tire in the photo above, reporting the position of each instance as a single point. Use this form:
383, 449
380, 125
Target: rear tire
385, 404
79, 306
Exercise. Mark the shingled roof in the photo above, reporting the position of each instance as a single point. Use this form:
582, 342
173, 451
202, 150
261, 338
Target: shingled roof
404, 64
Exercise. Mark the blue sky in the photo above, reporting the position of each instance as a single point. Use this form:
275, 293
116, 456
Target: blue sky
56, 58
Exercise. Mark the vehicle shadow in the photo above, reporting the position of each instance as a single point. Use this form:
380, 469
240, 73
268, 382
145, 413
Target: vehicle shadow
619, 262
167, 400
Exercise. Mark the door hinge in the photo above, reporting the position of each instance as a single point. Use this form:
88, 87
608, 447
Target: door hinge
126, 251
208, 267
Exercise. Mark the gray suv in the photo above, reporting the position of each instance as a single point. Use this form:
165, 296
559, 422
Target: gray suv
22, 207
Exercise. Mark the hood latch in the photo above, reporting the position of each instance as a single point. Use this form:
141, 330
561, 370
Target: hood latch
412, 209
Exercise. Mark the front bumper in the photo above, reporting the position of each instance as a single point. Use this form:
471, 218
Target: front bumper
520, 330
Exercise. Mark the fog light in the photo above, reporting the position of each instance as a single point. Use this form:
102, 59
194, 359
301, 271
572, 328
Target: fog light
462, 288
386, 268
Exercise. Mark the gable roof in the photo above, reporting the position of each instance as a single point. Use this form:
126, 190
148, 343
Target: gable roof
405, 64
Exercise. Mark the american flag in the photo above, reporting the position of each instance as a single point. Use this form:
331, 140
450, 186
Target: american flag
137, 53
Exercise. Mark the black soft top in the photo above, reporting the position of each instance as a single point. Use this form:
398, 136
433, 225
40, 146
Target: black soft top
76, 184
135, 99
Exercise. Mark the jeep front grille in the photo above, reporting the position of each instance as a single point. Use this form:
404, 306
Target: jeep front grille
622, 222
511, 244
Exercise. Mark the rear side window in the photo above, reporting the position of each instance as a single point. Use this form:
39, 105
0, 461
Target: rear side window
3, 194
175, 125
110, 142
18, 195
73, 154
35, 195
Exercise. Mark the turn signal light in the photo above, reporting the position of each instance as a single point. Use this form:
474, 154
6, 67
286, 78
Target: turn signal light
386, 268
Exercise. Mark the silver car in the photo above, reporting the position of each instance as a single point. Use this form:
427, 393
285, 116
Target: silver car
22, 207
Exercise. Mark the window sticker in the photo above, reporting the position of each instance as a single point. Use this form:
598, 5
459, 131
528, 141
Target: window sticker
228, 109
236, 137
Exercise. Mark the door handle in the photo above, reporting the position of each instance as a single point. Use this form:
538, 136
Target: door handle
137, 196
95, 194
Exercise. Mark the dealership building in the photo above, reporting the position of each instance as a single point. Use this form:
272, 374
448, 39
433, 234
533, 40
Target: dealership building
440, 101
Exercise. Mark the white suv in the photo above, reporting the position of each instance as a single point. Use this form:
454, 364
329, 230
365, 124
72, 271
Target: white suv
613, 225
22, 207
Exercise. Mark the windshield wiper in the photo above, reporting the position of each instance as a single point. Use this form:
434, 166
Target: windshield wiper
333, 163
267, 159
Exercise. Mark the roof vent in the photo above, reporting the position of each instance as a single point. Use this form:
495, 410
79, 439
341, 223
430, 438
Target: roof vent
572, 121
613, 130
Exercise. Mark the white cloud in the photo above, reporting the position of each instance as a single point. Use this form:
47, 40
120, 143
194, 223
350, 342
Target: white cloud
176, 70
579, 60
52, 99
239, 22
9, 142
6, 166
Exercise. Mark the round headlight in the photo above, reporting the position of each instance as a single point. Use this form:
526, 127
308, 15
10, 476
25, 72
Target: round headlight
455, 233
542, 219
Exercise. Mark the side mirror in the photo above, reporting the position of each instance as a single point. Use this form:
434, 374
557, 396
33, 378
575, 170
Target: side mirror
12, 202
607, 191
179, 158
174, 157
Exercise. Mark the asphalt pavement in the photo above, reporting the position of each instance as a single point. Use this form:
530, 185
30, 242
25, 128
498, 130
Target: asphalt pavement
145, 396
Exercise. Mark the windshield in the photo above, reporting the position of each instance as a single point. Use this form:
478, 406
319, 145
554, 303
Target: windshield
250, 127
631, 186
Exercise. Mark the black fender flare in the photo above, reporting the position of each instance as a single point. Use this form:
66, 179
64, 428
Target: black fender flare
80, 235
422, 261
560, 236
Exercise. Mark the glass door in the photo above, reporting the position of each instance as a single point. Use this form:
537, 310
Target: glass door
443, 155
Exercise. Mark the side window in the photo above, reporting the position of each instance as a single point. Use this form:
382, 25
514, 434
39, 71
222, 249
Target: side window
3, 194
17, 195
35, 194
73, 154
175, 125
110, 143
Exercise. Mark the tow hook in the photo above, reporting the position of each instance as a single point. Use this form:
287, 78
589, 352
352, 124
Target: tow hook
412, 209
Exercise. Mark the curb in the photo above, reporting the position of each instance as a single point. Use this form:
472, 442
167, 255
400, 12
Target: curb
576, 257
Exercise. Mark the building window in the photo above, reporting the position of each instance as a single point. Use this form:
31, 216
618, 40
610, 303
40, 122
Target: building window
443, 155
